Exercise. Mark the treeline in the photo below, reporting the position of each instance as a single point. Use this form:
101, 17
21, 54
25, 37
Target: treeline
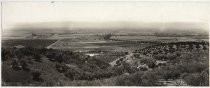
192, 68
186, 63
193, 77
165, 48
134, 41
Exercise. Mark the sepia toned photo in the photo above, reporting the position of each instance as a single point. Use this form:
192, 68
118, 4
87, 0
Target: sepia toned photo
54, 43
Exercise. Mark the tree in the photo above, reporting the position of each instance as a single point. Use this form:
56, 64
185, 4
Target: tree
24, 65
6, 54
169, 72
204, 47
36, 76
171, 56
148, 61
193, 79
74, 73
16, 65
148, 78
197, 46
62, 68
37, 58
204, 78
107, 36
190, 46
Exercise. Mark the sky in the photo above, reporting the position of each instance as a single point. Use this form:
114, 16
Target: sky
14, 13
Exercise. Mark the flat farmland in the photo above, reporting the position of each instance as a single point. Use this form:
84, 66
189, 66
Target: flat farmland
153, 38
87, 44
36, 43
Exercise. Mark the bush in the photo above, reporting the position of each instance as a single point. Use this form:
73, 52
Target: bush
74, 74
169, 72
197, 79
14, 76
124, 68
37, 58
25, 66
36, 76
148, 78
107, 36
148, 61
160, 57
192, 67
16, 65
62, 68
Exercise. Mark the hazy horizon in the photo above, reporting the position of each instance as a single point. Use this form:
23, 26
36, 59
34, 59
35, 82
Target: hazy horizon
169, 27
158, 15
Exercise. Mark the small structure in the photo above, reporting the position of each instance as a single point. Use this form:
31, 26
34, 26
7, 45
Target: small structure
161, 63
92, 54
19, 46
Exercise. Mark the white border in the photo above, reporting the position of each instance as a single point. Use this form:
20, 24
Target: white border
207, 1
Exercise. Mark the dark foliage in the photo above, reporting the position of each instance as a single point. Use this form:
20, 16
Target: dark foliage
138, 79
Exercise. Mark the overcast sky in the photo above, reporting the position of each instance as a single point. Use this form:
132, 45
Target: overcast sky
33, 12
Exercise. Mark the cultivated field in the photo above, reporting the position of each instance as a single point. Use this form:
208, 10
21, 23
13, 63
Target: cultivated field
37, 43
156, 39
97, 44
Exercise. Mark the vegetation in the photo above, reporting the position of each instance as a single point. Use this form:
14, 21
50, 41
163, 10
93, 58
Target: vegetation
107, 36
73, 66
138, 79
150, 66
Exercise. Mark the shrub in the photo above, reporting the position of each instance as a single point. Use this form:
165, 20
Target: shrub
62, 68
25, 66
36, 76
197, 79
107, 36
37, 58
192, 67
148, 61
16, 65
148, 78
74, 74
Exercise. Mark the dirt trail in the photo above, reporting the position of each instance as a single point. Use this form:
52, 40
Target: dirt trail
48, 47
129, 56
113, 63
